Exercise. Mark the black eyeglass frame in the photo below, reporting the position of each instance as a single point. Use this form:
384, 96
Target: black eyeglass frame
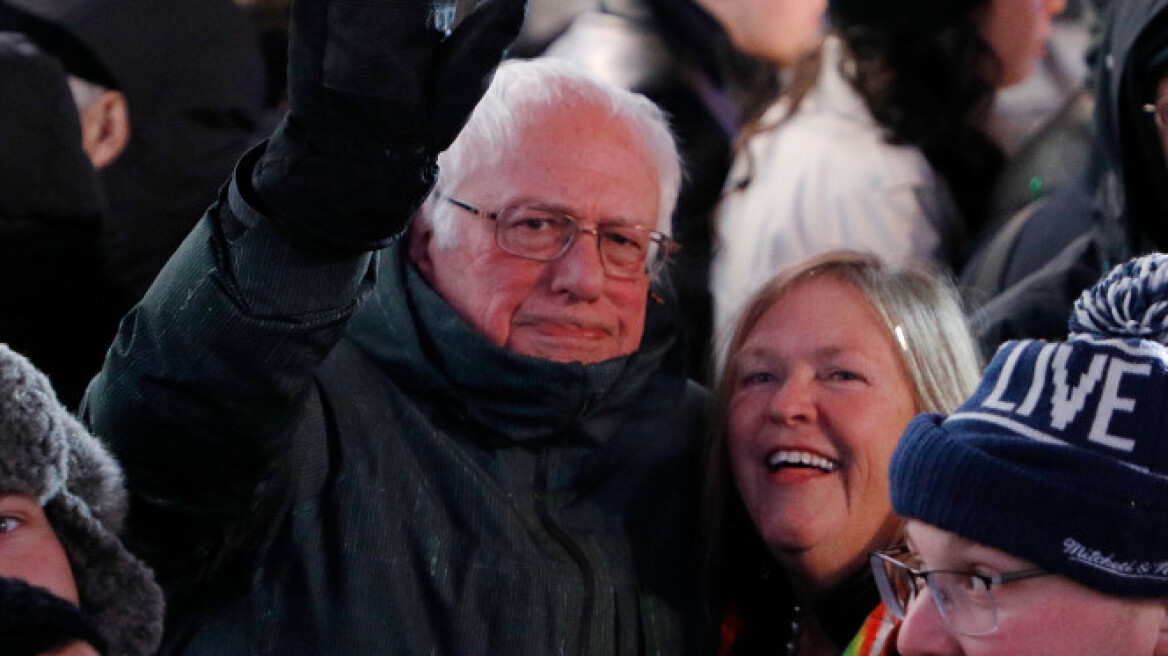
667, 246
877, 560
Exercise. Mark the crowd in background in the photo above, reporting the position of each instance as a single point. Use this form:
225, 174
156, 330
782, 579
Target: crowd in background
712, 67
637, 326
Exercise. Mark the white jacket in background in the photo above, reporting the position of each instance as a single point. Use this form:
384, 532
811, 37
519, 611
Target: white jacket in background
825, 179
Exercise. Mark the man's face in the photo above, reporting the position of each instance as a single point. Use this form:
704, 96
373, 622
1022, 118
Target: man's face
567, 310
30, 550
1045, 615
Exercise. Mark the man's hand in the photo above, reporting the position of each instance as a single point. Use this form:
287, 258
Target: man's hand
376, 91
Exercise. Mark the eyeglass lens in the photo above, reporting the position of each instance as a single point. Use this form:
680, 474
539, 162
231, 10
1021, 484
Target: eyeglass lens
964, 601
625, 251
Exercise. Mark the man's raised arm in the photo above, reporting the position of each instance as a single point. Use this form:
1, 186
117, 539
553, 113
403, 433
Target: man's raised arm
212, 369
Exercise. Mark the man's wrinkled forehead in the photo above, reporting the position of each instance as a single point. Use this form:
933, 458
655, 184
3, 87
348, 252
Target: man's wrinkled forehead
553, 147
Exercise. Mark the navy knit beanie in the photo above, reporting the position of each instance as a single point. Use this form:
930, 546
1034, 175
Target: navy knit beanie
1061, 456
900, 15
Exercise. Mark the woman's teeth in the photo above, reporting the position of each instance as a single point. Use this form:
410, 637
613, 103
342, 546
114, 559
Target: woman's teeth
801, 459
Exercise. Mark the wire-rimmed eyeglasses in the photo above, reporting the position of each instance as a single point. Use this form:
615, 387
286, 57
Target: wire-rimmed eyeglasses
965, 600
1159, 110
544, 234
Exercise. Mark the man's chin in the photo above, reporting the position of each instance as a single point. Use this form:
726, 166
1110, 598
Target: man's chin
567, 345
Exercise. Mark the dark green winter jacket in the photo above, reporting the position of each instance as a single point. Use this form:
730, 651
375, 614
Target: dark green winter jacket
323, 458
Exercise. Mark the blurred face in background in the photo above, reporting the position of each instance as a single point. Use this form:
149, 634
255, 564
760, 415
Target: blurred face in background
778, 31
820, 399
1160, 102
1017, 30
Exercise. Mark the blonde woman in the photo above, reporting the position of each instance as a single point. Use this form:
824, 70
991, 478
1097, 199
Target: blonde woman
825, 368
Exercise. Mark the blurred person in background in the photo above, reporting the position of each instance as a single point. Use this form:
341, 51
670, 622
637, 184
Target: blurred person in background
1118, 209
190, 75
270, 18
878, 141
61, 307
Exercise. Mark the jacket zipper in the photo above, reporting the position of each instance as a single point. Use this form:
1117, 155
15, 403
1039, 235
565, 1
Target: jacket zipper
574, 550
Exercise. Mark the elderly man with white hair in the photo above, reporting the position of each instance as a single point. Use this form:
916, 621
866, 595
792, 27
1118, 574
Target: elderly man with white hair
346, 432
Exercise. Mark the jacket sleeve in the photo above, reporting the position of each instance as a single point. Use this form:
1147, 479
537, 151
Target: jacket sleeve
211, 373
1039, 305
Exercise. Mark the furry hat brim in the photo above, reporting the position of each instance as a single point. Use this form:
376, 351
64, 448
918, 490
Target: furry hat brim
47, 455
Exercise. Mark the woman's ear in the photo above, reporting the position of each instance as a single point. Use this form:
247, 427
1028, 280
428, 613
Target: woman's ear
105, 128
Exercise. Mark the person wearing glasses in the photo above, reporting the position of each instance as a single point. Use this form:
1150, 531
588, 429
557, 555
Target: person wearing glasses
349, 432
1036, 512
1116, 211
827, 365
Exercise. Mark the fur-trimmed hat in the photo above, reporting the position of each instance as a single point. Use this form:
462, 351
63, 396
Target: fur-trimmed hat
1061, 456
47, 455
900, 15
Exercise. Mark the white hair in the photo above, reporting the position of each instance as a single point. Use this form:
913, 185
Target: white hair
522, 87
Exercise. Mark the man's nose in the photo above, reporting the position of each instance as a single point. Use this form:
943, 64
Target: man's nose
923, 632
579, 271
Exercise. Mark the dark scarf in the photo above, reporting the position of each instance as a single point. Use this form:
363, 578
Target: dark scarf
768, 612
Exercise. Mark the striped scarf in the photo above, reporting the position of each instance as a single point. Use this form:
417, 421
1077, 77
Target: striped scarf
877, 636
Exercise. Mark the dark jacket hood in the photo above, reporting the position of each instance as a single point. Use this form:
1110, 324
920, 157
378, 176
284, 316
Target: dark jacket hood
1126, 136
193, 78
515, 396
45, 175
196, 56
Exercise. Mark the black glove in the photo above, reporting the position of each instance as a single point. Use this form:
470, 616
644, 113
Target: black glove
376, 91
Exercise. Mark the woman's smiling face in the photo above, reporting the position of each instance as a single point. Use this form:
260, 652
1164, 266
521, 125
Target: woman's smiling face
819, 404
